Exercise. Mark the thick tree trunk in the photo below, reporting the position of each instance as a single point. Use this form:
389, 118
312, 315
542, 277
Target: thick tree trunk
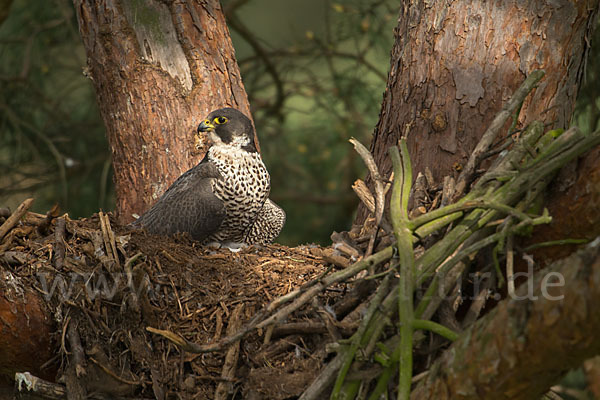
454, 65
158, 68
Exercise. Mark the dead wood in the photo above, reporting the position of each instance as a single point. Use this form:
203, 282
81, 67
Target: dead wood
76, 350
15, 217
27, 386
111, 286
311, 327
59, 243
224, 388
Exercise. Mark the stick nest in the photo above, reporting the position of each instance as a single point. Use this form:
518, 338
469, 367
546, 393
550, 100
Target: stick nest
105, 287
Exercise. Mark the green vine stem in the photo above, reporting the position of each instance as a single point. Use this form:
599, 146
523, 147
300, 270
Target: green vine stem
403, 233
358, 339
435, 328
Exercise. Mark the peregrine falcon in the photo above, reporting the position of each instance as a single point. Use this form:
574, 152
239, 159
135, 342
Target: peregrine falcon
224, 198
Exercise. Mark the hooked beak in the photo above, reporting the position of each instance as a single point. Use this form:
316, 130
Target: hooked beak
205, 126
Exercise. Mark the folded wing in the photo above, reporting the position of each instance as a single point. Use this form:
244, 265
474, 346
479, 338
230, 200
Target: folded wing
189, 205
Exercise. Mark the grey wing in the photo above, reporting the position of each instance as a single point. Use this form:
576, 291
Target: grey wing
188, 205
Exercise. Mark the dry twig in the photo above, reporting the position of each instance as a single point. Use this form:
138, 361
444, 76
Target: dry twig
15, 217
231, 358
109, 239
76, 350
369, 161
59, 244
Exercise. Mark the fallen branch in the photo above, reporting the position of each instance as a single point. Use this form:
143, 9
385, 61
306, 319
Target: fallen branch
324, 380
25, 384
364, 194
15, 257
541, 333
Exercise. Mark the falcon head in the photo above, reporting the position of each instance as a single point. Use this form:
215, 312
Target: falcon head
228, 126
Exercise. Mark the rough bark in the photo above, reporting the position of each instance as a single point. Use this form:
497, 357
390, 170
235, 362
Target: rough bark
454, 64
158, 67
25, 331
574, 203
522, 347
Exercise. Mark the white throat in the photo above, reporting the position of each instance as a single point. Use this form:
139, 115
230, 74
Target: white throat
237, 142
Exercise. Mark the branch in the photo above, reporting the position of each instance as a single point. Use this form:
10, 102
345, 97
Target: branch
231, 358
245, 33
15, 217
25, 383
379, 189
374, 171
540, 333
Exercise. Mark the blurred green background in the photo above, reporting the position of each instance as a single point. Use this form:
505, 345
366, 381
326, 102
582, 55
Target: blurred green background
314, 70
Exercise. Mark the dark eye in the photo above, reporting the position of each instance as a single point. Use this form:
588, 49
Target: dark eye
220, 120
